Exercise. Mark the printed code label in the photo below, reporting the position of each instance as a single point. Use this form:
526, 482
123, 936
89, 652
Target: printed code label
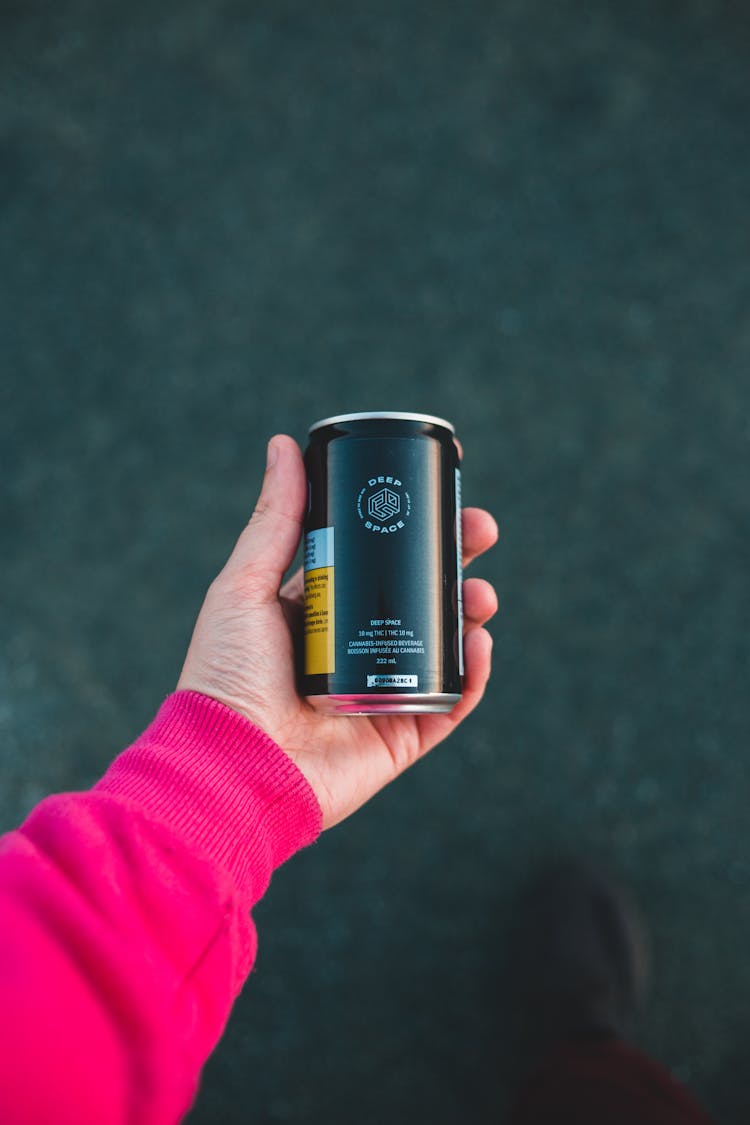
393, 681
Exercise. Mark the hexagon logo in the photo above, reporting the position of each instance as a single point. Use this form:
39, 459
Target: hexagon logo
384, 505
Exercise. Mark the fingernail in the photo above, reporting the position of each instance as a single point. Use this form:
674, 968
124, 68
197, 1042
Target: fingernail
272, 454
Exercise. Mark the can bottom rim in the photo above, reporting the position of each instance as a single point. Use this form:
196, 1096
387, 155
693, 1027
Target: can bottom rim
383, 704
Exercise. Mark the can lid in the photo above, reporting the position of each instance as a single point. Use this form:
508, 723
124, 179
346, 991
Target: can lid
392, 414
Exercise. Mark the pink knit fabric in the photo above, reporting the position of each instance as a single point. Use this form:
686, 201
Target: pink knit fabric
125, 932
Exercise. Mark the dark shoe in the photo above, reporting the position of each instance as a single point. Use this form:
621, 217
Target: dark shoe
578, 960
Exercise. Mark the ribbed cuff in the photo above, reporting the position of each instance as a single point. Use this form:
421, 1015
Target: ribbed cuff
221, 784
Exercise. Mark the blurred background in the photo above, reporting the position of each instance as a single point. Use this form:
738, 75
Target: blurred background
220, 221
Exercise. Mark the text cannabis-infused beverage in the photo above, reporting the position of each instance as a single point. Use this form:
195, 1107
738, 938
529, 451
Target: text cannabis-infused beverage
383, 605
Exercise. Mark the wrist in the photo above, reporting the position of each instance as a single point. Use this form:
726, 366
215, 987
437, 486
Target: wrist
219, 782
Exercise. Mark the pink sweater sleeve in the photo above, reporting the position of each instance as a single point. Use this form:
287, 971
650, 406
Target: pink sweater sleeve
125, 932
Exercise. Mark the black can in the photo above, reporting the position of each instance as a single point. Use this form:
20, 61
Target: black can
383, 605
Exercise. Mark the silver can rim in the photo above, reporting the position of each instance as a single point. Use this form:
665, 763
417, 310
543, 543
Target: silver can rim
382, 704
392, 415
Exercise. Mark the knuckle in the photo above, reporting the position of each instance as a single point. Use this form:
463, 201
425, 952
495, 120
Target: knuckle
256, 586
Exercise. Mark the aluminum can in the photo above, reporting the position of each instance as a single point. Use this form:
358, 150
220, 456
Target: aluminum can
382, 565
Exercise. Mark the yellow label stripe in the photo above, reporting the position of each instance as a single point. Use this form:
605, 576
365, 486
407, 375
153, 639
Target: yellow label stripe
320, 652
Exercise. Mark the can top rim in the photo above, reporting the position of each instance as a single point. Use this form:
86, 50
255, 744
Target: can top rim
392, 414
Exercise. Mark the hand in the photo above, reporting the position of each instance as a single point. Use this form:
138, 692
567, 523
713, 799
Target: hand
242, 651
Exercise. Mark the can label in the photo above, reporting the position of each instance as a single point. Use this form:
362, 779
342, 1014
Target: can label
385, 517
320, 603
393, 681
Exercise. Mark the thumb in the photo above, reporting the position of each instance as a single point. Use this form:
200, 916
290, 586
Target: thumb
266, 548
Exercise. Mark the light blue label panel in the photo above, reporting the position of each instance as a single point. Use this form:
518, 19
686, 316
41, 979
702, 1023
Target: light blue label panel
319, 548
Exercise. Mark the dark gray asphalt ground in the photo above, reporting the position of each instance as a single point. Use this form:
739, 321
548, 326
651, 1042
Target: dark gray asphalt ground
218, 221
